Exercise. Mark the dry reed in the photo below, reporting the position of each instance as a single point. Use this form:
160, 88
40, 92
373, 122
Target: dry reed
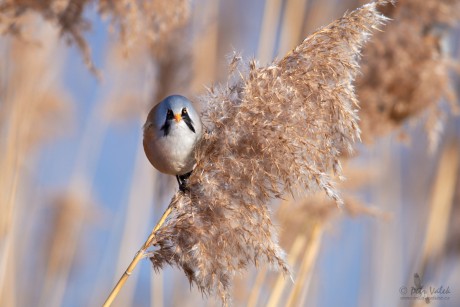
271, 130
67, 15
153, 20
31, 97
30, 94
306, 267
406, 68
134, 20
293, 18
405, 74
205, 45
269, 24
442, 201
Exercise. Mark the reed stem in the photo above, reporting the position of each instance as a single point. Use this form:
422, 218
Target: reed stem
108, 302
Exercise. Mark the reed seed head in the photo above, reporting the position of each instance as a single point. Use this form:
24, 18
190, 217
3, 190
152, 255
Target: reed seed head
271, 130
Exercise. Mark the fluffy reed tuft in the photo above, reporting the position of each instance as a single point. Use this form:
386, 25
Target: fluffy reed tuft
67, 15
406, 68
271, 130
152, 20
135, 20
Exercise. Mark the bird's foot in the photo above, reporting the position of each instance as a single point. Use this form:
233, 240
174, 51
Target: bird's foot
183, 187
182, 180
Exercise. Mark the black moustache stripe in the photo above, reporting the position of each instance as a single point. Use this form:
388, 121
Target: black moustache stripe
189, 122
166, 127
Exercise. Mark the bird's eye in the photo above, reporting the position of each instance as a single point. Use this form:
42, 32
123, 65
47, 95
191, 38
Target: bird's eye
184, 111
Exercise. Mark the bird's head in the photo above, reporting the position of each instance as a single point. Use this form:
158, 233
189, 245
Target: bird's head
174, 111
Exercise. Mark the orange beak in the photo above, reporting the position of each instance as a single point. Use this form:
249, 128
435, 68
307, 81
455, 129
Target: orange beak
177, 117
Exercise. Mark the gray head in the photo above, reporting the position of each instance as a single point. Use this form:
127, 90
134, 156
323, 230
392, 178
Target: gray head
171, 111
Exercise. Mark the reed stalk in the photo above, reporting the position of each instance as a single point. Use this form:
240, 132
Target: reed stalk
139, 255
294, 254
306, 267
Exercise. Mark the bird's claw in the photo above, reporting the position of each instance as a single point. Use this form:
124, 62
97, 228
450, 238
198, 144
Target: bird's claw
183, 188
182, 180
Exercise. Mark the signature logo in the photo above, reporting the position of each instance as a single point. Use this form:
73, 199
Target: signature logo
422, 292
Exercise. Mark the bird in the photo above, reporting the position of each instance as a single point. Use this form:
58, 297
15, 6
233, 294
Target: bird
171, 132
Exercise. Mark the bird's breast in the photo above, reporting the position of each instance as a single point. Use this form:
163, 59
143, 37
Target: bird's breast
172, 153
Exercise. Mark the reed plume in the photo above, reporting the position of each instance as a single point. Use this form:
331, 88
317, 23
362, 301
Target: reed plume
271, 130
153, 20
405, 75
135, 20
67, 15
406, 68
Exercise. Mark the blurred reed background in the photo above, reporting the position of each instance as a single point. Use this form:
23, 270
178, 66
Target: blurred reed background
78, 197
